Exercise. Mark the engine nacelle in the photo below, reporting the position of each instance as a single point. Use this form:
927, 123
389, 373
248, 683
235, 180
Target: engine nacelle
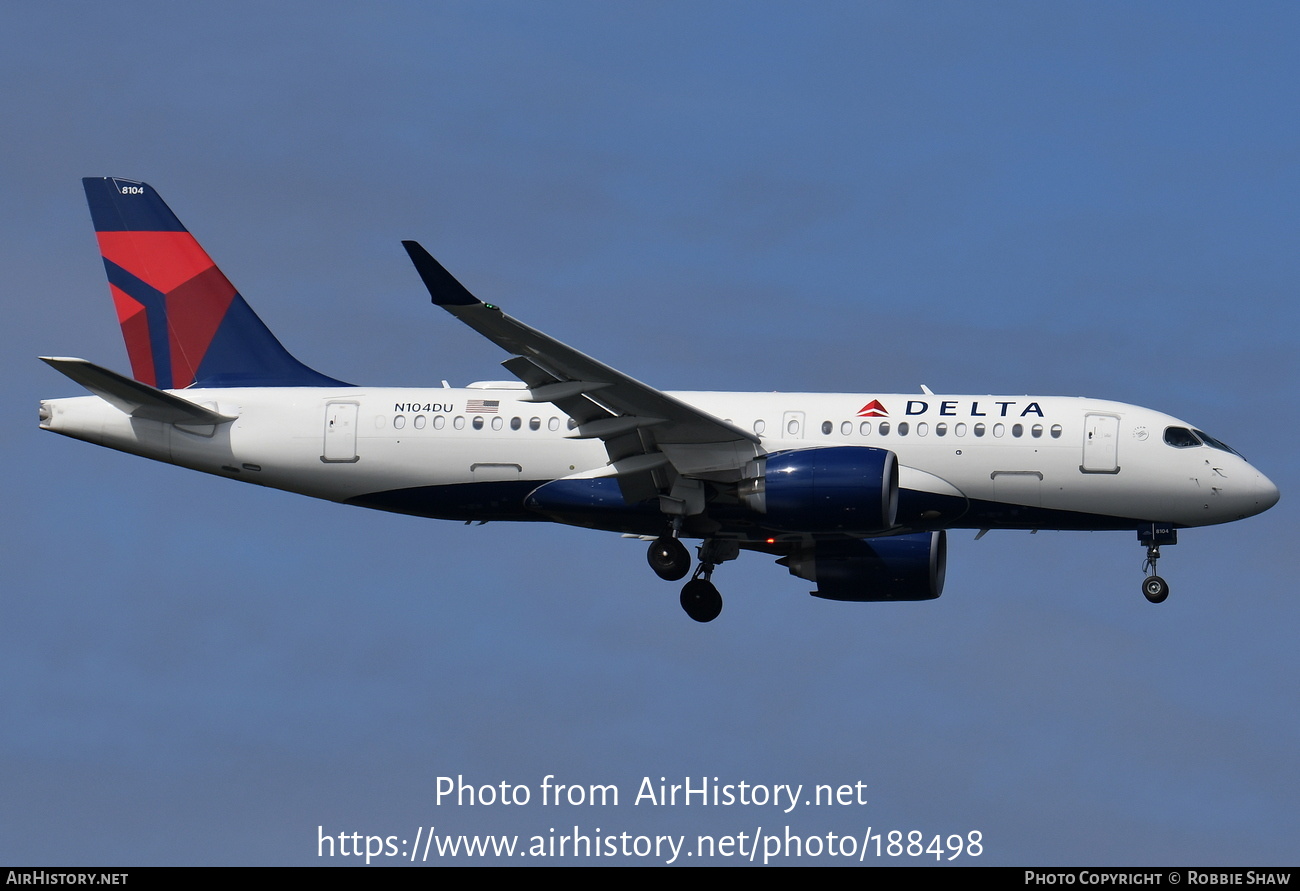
903, 567
835, 489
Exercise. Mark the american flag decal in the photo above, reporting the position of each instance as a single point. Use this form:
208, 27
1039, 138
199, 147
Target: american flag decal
483, 406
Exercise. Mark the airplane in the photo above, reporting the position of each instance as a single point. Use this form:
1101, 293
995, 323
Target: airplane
852, 492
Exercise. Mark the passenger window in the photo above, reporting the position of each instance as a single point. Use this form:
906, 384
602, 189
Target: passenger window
553, 424
534, 423
827, 427
960, 430
846, 428
865, 428
940, 429
420, 421
979, 429
1056, 431
903, 427
439, 422
792, 428
573, 425
478, 422
1036, 431
759, 426
497, 422
1018, 430
922, 429
458, 423
399, 422
884, 428
516, 423
999, 429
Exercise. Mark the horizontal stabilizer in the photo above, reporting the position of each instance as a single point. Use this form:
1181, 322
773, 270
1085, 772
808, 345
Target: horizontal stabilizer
134, 398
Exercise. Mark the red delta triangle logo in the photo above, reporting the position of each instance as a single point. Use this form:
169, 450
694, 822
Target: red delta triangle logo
873, 409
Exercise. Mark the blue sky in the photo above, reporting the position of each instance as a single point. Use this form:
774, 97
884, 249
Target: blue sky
1010, 198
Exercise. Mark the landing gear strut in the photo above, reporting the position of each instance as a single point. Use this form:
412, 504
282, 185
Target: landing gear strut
1154, 588
700, 598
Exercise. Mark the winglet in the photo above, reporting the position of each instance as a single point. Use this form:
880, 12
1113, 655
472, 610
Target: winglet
442, 285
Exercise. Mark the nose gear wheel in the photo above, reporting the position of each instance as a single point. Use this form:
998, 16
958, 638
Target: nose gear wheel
1155, 588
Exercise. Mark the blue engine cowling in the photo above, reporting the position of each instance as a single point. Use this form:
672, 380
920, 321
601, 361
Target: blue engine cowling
836, 489
903, 567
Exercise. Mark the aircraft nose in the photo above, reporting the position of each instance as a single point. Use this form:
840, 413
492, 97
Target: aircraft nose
1266, 494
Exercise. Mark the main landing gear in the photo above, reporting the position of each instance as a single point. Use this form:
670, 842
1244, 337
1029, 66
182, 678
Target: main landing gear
701, 600
1153, 535
669, 558
671, 561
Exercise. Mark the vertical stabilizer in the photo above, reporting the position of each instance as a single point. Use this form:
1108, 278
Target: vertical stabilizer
183, 322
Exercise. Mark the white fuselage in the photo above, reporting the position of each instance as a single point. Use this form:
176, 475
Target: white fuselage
1065, 460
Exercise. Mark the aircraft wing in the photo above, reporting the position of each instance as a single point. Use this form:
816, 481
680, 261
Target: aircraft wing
651, 437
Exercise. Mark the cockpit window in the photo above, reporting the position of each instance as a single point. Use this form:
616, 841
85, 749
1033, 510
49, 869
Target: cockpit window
1181, 438
1215, 444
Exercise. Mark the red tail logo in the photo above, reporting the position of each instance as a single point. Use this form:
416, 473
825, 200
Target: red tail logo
873, 409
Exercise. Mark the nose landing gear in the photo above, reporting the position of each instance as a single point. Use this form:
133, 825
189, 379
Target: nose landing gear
1155, 588
1153, 535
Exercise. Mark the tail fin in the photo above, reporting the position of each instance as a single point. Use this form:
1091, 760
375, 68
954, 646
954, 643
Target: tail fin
184, 323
